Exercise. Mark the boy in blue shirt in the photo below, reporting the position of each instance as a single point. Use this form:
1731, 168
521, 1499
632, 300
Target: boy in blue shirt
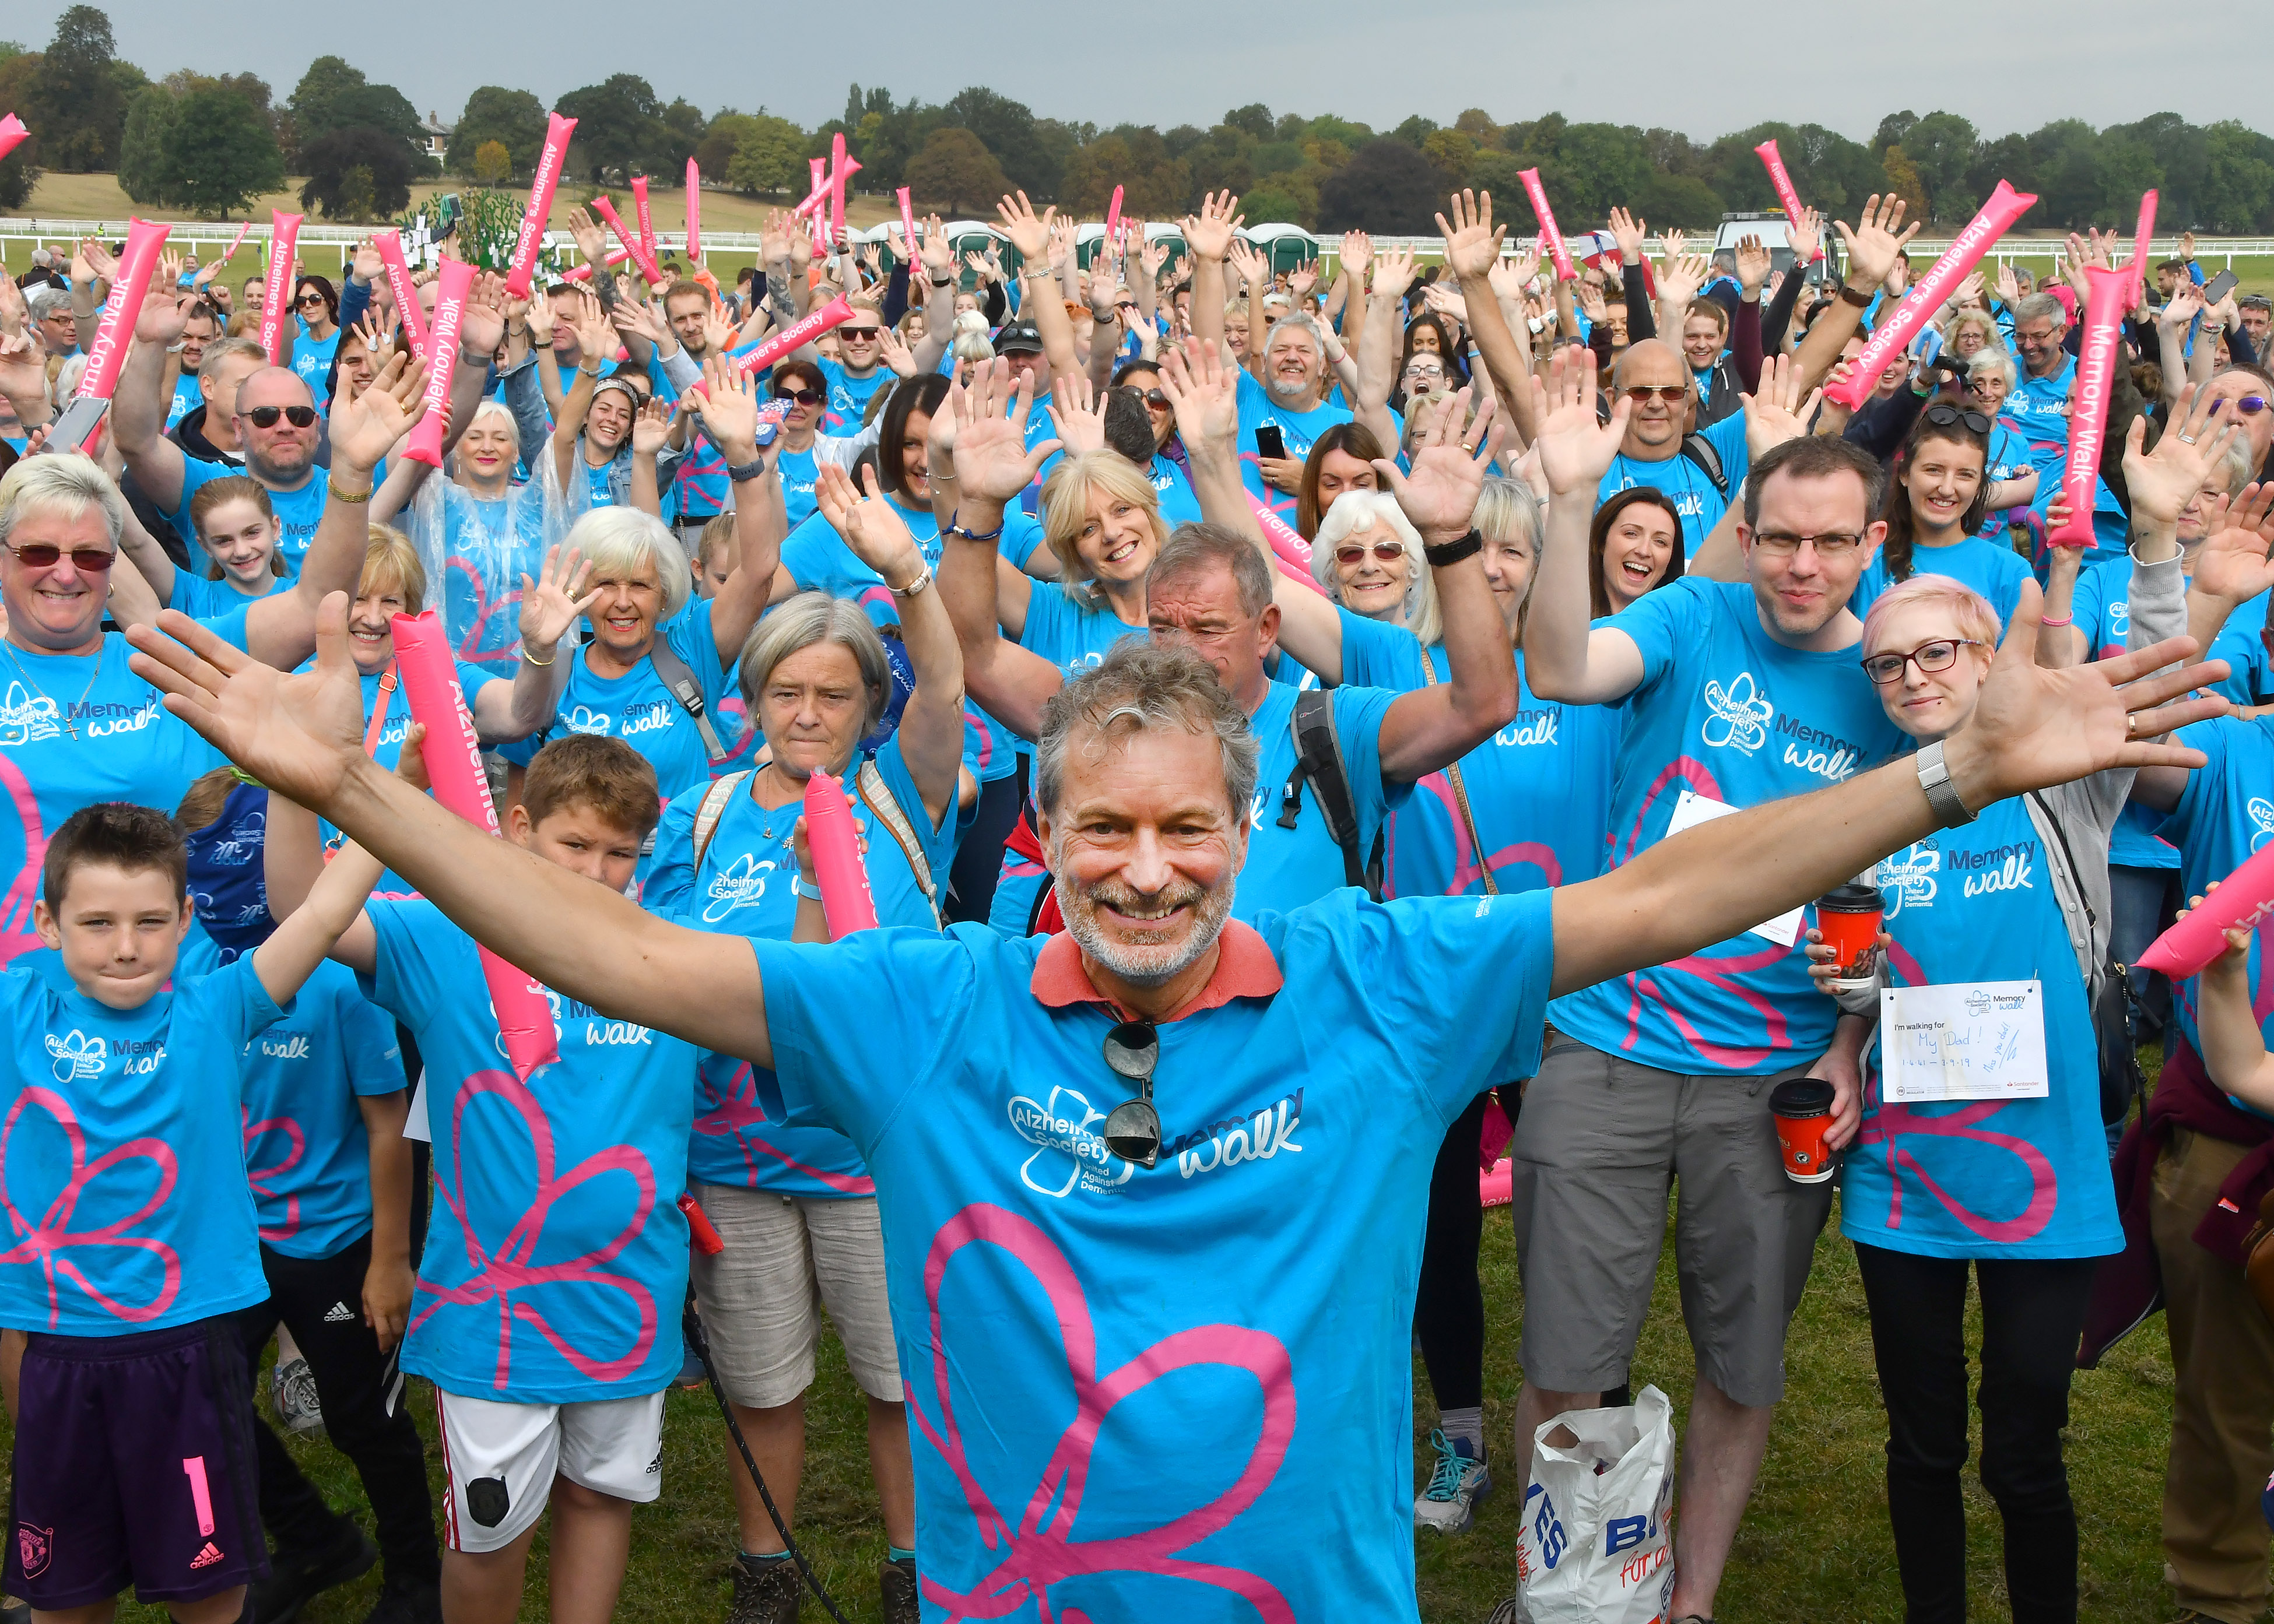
134, 1234
546, 1309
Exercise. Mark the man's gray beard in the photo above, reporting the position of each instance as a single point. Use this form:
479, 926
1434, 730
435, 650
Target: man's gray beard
1133, 964
1288, 395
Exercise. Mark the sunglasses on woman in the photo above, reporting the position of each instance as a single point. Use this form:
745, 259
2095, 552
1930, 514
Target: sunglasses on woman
309, 300
1943, 416
1940, 655
1388, 552
43, 554
265, 417
803, 397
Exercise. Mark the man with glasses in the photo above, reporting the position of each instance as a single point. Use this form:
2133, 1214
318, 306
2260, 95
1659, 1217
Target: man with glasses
1161, 1272
1737, 695
1655, 378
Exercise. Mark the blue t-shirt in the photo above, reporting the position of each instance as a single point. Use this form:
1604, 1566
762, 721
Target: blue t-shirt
2224, 815
1017, 893
487, 548
2037, 408
121, 1164
1991, 569
819, 561
306, 1155
1727, 711
187, 398
2009, 458
746, 885
557, 1255
1299, 430
639, 710
1985, 1178
800, 472
75, 729
1045, 1355
1073, 633
849, 396
1540, 789
1179, 504
1695, 498
201, 599
297, 512
1287, 867
311, 359
698, 487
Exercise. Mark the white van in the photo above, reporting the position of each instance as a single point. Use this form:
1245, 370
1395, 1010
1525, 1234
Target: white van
1770, 227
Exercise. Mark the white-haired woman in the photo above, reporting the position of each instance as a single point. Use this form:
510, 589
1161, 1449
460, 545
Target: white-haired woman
795, 1205
653, 671
1366, 558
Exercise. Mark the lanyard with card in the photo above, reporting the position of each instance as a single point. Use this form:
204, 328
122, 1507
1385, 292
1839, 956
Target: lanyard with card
1692, 809
1969, 1040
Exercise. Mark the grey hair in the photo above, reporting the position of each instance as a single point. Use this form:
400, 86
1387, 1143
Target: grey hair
799, 623
65, 485
222, 350
1354, 513
2039, 305
1994, 355
973, 347
1191, 548
1297, 320
616, 541
2234, 469
1143, 687
494, 408
43, 303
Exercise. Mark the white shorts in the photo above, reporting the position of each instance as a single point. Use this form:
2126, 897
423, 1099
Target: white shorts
499, 1460
757, 1297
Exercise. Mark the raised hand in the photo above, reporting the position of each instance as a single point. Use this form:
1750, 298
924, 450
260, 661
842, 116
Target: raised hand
366, 428
2164, 481
1304, 278
1251, 267
2009, 286
368, 268
1078, 418
878, 534
1204, 394
1357, 252
2232, 564
1628, 232
163, 314
1781, 411
1754, 264
1209, 233
1872, 245
481, 323
1669, 244
1440, 495
893, 350
1471, 239
992, 460
590, 237
774, 243
1511, 276
727, 405
650, 429
555, 600
1575, 451
1062, 239
639, 318
1446, 302
92, 262
1030, 234
1590, 302
1151, 256
1393, 272
938, 254
1681, 276
1806, 239
596, 334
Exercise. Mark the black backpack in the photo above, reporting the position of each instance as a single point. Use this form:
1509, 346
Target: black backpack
1318, 758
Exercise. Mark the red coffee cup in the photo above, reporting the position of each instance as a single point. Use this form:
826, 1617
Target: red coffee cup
1802, 1111
1849, 918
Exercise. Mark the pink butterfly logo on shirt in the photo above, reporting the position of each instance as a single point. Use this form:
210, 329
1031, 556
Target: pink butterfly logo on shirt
52, 1236
17, 936
736, 1113
470, 647
501, 1276
1040, 1552
296, 1144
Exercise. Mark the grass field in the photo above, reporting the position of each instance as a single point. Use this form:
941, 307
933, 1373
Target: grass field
1815, 1544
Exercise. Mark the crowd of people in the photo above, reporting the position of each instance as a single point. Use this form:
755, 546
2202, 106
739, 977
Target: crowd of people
1301, 732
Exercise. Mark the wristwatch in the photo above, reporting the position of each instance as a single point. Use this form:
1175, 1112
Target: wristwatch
1849, 296
1941, 796
738, 472
939, 281
1454, 551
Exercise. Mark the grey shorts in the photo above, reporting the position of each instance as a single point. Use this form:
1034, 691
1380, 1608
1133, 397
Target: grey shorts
1598, 1144
786, 1258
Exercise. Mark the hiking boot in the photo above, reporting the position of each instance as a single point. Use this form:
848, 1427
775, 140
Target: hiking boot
1448, 1505
293, 1387
415, 1601
896, 1583
765, 1592
297, 1577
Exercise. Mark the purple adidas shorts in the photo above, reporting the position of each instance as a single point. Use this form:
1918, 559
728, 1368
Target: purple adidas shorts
134, 1463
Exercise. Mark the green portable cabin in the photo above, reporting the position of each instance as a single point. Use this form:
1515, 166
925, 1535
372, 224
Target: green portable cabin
1283, 245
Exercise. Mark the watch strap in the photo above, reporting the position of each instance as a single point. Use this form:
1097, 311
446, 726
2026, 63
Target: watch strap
1941, 795
1454, 551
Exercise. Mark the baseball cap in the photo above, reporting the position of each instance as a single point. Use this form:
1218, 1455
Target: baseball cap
1019, 337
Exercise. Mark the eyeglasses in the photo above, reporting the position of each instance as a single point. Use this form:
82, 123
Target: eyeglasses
1416, 369
265, 417
855, 336
43, 555
1943, 416
2251, 405
803, 397
1940, 655
1784, 544
307, 299
1386, 551
1132, 1128
1670, 393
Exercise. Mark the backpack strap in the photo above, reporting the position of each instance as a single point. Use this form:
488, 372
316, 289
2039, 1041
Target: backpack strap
869, 785
683, 688
1318, 758
1699, 451
717, 797
1461, 795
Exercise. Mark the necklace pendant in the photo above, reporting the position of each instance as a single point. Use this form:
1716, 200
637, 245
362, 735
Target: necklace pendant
71, 727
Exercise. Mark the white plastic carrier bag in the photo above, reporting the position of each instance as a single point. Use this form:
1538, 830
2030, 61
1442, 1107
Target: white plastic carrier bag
1594, 1546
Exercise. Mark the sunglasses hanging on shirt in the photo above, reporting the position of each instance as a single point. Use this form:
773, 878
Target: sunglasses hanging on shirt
1132, 1128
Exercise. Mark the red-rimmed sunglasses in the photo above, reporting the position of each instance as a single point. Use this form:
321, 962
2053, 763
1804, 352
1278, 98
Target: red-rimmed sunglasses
43, 555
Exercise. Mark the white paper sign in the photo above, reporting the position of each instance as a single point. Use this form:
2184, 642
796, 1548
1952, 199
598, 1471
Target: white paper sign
1972, 1041
1694, 809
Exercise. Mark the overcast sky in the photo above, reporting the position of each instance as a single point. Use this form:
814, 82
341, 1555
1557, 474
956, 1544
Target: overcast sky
1699, 69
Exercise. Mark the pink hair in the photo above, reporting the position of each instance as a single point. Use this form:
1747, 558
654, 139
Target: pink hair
1969, 611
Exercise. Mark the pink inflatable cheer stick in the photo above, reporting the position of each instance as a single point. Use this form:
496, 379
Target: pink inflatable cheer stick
837, 866
389, 245
837, 176
2244, 898
834, 314
1113, 217
453, 761
584, 273
1287, 543
143, 240
2087, 411
645, 220
2142, 236
275, 314
694, 212
908, 224
646, 265
1550, 235
451, 288
11, 133
1786, 193
1893, 333
236, 241
522, 271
